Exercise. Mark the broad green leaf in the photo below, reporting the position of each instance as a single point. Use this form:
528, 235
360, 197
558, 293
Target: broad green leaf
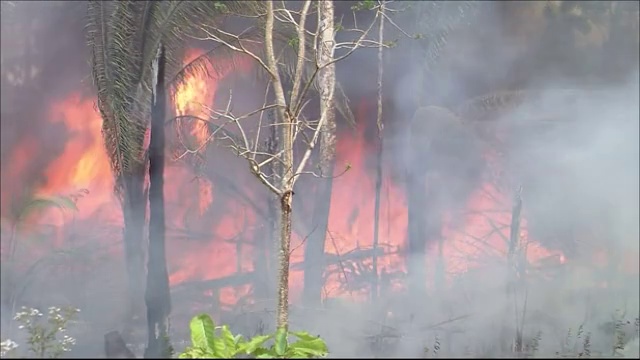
191, 353
202, 332
296, 355
280, 345
262, 352
303, 335
219, 347
252, 345
265, 356
316, 347
228, 340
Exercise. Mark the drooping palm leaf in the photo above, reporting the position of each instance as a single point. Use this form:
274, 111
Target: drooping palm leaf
496, 102
124, 38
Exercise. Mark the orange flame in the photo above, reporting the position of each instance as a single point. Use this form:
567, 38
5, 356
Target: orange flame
228, 248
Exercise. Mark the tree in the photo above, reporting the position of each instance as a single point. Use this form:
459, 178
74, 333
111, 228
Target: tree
436, 21
124, 38
314, 248
157, 297
297, 133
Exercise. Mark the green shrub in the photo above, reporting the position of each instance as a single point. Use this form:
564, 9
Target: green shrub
218, 342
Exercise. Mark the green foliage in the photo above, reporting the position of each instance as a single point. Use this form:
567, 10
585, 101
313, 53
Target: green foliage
45, 338
364, 5
218, 342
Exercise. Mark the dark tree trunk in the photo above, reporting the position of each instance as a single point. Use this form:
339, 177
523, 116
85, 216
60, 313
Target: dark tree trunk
417, 236
157, 297
134, 211
314, 259
115, 347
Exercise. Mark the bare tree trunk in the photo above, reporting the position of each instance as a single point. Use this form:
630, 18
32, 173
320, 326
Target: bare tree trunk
287, 179
157, 297
314, 248
376, 209
273, 207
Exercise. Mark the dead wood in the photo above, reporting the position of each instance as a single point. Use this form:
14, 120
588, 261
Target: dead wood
115, 347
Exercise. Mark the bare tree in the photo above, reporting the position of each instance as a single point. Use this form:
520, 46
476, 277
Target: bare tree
314, 248
288, 94
379, 153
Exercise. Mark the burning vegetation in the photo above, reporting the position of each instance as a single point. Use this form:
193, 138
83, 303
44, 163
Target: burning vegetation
465, 208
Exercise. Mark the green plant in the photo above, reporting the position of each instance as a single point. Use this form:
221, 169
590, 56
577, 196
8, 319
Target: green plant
218, 342
43, 336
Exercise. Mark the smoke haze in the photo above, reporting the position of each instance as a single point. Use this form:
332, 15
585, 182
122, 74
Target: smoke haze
571, 142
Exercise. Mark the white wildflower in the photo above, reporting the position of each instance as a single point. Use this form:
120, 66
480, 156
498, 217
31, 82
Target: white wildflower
6, 346
67, 342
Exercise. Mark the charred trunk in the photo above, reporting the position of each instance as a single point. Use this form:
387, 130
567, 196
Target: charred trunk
157, 297
115, 347
134, 211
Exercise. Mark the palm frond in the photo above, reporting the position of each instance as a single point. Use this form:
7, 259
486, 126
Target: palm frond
48, 202
124, 37
496, 102
110, 35
500, 102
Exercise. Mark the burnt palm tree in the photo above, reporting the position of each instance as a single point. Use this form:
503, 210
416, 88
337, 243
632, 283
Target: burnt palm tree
124, 38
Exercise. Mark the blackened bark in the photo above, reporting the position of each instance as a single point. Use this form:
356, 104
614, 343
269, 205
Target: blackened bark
134, 211
157, 296
115, 347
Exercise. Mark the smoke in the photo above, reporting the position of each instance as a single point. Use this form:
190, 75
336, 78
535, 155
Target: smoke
572, 144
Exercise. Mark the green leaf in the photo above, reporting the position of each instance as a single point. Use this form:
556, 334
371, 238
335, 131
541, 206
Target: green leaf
314, 347
265, 356
229, 342
281, 341
202, 333
191, 353
255, 343
304, 336
262, 352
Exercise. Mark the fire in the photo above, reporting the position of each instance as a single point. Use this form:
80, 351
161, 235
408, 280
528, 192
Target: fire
228, 228
84, 163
